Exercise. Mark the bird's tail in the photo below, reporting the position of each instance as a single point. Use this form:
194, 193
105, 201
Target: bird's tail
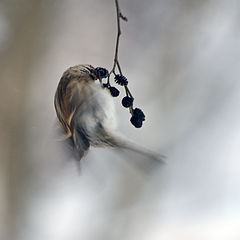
116, 141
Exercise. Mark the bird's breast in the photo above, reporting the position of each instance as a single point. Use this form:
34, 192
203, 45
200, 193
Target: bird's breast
97, 108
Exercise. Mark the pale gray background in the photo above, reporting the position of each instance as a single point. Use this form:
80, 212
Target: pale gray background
182, 60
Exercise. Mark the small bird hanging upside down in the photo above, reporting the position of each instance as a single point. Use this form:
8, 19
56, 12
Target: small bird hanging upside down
86, 113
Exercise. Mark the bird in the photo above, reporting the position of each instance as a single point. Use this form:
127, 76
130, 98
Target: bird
87, 115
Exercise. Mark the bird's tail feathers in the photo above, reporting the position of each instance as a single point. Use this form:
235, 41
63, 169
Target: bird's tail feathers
117, 141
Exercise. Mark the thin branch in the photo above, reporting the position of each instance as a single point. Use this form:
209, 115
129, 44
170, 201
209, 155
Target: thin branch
137, 114
116, 61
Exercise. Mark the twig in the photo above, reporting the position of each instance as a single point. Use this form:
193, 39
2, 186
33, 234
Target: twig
116, 60
119, 17
137, 115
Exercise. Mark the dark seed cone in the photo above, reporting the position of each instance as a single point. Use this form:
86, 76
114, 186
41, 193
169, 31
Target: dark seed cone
136, 122
121, 80
127, 101
114, 91
101, 72
137, 112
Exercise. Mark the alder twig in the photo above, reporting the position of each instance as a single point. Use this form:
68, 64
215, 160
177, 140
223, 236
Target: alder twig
116, 60
137, 115
119, 17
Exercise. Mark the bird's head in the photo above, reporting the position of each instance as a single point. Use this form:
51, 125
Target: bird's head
87, 72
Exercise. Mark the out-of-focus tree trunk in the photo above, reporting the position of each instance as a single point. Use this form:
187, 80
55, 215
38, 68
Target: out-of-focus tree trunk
27, 25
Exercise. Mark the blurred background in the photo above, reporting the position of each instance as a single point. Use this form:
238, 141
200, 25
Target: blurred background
182, 60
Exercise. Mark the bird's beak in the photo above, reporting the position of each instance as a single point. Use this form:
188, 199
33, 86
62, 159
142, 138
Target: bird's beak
95, 76
92, 73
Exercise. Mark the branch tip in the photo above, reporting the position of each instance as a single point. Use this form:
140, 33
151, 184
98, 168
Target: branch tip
124, 18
